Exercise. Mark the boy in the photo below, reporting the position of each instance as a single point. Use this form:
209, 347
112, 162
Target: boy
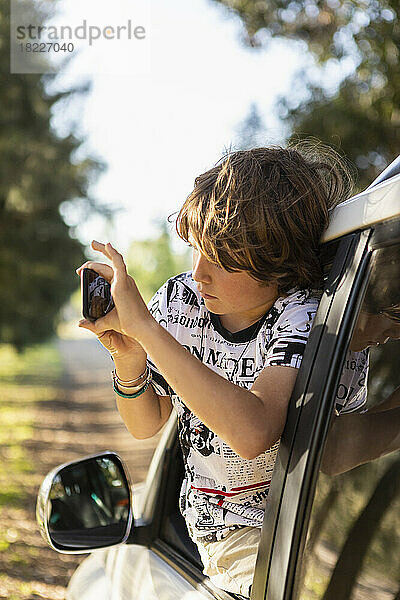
223, 344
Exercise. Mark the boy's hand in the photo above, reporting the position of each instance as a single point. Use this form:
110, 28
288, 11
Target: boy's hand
120, 346
130, 315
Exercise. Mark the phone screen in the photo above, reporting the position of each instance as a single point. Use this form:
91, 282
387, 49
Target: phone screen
96, 295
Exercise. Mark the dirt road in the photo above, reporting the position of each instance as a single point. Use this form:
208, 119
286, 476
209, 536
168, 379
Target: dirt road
81, 420
86, 419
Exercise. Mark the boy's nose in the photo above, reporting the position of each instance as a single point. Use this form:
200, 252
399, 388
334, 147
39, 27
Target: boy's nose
200, 269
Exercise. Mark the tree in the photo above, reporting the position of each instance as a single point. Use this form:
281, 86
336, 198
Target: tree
151, 262
39, 176
361, 116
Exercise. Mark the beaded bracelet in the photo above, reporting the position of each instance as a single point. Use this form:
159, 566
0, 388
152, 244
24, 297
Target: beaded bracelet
136, 394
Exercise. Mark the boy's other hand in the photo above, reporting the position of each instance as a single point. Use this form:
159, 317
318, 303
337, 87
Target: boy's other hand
130, 315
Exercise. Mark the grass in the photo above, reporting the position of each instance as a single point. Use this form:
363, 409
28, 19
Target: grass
25, 379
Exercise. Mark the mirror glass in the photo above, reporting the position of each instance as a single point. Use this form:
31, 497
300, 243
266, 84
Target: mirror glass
89, 504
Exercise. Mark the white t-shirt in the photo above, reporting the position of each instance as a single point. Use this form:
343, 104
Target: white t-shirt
222, 490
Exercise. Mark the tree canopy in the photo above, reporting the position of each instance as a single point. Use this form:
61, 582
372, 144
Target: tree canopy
361, 117
39, 174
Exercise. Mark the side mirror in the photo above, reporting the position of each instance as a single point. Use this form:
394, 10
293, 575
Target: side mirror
85, 504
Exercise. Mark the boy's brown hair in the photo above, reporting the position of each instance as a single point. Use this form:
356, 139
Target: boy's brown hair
264, 210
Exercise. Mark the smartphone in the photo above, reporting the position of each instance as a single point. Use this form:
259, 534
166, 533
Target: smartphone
96, 295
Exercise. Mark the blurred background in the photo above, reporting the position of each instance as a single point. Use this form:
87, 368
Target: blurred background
109, 157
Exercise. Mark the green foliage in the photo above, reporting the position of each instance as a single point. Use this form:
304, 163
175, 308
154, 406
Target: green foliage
362, 117
39, 174
151, 262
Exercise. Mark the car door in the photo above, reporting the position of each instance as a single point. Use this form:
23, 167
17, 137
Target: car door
282, 571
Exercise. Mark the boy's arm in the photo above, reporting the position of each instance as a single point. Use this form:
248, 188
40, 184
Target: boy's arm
355, 439
249, 421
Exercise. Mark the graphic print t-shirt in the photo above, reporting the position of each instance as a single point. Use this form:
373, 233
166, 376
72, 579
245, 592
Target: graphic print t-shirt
351, 393
222, 490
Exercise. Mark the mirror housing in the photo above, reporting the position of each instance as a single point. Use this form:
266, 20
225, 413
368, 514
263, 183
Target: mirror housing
86, 504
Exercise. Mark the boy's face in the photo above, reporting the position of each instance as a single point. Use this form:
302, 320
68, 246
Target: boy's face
239, 297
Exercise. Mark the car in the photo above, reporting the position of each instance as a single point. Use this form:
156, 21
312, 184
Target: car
332, 524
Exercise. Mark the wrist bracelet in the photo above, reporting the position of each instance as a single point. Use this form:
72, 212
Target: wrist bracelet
136, 394
136, 390
131, 381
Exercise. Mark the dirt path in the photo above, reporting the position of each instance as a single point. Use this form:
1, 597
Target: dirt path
85, 419
81, 421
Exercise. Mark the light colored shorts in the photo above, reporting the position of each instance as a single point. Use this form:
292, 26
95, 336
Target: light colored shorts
230, 562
